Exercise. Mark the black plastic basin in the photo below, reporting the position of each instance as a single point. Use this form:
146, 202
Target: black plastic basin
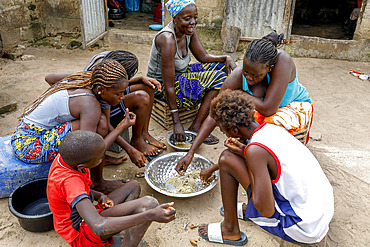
30, 205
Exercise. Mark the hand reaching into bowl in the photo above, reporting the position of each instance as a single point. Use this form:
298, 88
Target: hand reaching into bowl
207, 173
184, 163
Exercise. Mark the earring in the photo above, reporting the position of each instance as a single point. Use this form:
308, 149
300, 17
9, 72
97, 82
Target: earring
99, 92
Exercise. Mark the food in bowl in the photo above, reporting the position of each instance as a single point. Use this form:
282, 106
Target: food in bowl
159, 172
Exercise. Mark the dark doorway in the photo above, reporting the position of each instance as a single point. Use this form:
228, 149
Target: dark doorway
134, 14
332, 19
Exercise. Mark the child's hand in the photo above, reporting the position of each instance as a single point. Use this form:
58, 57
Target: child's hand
183, 164
137, 157
235, 146
129, 120
105, 202
151, 82
164, 213
205, 175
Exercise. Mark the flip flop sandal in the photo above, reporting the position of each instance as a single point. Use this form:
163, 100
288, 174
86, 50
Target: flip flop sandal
153, 145
152, 157
215, 236
239, 207
211, 142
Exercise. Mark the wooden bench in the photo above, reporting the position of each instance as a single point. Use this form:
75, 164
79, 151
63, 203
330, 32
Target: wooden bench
162, 115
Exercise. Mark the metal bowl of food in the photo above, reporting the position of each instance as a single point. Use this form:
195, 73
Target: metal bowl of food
160, 174
182, 146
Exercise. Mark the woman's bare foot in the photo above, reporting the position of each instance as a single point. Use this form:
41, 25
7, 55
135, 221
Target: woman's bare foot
109, 160
145, 148
107, 186
226, 235
151, 140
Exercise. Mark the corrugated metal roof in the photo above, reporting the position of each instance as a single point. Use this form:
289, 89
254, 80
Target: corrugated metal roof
259, 17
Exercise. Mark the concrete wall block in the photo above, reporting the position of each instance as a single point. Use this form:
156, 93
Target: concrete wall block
26, 33
61, 25
210, 4
61, 8
363, 23
13, 17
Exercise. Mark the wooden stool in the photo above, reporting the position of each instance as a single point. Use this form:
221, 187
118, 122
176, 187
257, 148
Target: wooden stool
162, 115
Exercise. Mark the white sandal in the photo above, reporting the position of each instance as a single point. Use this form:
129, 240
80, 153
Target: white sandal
215, 236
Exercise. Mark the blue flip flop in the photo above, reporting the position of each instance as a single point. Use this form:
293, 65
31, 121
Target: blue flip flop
215, 236
241, 216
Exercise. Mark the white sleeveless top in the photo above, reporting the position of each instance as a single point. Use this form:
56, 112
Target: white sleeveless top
53, 110
304, 201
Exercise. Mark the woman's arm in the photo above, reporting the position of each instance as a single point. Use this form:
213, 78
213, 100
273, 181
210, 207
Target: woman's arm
202, 56
136, 156
282, 73
166, 44
146, 80
51, 79
232, 82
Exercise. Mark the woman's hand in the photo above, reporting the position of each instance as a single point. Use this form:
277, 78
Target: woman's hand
105, 202
229, 65
178, 132
235, 146
183, 164
151, 82
129, 120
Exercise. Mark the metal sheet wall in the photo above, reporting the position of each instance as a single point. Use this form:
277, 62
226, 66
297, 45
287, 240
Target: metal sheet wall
93, 20
257, 18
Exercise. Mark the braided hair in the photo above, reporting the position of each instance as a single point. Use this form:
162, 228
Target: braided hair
231, 108
106, 74
127, 59
264, 50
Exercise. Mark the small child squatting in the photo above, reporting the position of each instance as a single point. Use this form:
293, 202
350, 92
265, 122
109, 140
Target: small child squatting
291, 197
70, 198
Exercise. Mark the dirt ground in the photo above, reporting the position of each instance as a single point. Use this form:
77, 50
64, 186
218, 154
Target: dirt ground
342, 146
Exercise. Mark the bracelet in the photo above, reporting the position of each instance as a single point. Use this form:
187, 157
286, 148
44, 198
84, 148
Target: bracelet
174, 110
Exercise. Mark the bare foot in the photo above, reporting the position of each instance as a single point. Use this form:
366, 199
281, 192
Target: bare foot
145, 148
107, 186
227, 235
109, 160
151, 140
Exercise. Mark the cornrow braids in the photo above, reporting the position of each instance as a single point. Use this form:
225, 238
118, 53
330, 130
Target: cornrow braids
264, 50
127, 59
106, 74
231, 108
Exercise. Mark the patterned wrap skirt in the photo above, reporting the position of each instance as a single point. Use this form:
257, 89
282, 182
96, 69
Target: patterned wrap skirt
295, 117
191, 86
33, 144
